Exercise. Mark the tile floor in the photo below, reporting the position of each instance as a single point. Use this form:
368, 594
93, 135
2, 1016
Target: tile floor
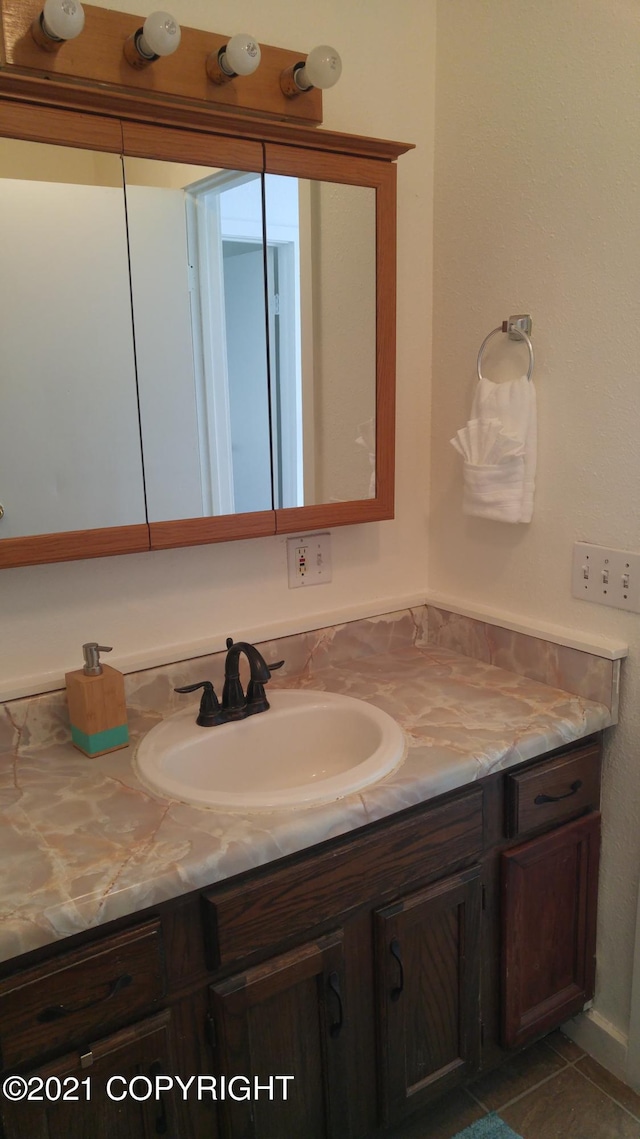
551, 1091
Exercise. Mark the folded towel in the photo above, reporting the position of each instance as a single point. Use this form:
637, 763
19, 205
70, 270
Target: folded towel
485, 442
498, 445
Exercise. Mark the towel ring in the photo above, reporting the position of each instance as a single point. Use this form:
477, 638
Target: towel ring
513, 331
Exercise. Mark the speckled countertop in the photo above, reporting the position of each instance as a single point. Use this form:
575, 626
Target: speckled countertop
82, 842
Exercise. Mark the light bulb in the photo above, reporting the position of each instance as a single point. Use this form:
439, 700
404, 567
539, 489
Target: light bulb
160, 35
242, 54
323, 68
60, 20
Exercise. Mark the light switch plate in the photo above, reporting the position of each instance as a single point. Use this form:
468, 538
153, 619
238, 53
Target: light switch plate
309, 560
606, 576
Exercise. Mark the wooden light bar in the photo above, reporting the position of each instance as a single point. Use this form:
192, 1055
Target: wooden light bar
96, 57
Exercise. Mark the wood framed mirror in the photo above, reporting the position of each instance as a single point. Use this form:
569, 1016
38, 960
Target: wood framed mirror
277, 415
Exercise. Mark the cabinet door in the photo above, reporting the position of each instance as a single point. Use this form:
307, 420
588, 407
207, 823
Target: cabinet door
285, 1017
549, 892
427, 953
343, 320
142, 1050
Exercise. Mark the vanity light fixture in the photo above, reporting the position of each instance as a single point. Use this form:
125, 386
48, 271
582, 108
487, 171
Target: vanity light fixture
322, 68
158, 36
241, 56
59, 21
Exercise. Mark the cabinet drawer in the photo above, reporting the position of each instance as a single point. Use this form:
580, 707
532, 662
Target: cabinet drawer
550, 792
61, 1002
281, 906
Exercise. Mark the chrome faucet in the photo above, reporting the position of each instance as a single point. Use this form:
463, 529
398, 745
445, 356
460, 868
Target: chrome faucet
236, 705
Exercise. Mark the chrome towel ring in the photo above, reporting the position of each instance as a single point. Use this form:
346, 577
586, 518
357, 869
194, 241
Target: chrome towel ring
518, 328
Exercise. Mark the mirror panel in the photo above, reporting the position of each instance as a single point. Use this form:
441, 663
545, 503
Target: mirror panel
70, 454
321, 247
70, 343
198, 293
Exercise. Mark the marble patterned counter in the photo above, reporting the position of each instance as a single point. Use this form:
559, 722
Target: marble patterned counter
83, 842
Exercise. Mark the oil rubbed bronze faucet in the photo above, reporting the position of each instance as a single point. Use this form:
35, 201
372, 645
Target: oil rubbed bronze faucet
236, 704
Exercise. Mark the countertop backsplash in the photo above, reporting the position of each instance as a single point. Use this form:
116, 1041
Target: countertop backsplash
38, 721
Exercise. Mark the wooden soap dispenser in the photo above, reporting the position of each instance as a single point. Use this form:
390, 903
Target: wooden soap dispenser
97, 707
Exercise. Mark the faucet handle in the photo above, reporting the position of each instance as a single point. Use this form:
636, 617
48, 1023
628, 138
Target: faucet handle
210, 711
273, 667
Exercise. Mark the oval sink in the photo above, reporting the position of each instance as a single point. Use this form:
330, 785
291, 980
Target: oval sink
309, 747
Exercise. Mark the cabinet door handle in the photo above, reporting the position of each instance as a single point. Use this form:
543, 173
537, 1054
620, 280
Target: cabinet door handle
56, 1012
162, 1122
573, 790
334, 984
394, 949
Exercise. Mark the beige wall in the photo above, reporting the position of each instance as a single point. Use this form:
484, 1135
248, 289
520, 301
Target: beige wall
538, 210
145, 604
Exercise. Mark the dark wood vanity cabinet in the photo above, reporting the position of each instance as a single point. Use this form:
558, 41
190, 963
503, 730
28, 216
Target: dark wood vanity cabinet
548, 913
378, 970
428, 957
63, 1103
269, 1019
549, 885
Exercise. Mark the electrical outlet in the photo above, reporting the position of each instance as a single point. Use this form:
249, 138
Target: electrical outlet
608, 577
309, 560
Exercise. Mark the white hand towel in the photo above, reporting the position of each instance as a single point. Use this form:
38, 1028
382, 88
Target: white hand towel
499, 448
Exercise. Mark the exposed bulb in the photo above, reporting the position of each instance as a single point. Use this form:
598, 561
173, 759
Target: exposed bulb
323, 68
241, 56
59, 20
63, 19
160, 35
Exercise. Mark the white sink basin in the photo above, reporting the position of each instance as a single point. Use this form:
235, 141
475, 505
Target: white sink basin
309, 747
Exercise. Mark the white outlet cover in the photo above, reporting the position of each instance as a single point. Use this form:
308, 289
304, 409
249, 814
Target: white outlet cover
309, 560
606, 576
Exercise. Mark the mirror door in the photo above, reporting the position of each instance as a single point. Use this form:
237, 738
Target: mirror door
332, 348
198, 295
195, 221
70, 458
67, 352
321, 236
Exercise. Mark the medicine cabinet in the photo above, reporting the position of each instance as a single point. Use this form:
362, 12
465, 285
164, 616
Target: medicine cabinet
197, 325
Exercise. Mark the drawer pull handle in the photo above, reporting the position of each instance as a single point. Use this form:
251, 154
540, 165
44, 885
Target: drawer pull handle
394, 949
334, 984
573, 790
56, 1012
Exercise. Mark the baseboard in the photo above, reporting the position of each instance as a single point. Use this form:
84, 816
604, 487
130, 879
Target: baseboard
600, 1039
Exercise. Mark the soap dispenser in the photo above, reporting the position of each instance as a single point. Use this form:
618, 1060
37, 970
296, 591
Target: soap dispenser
97, 707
